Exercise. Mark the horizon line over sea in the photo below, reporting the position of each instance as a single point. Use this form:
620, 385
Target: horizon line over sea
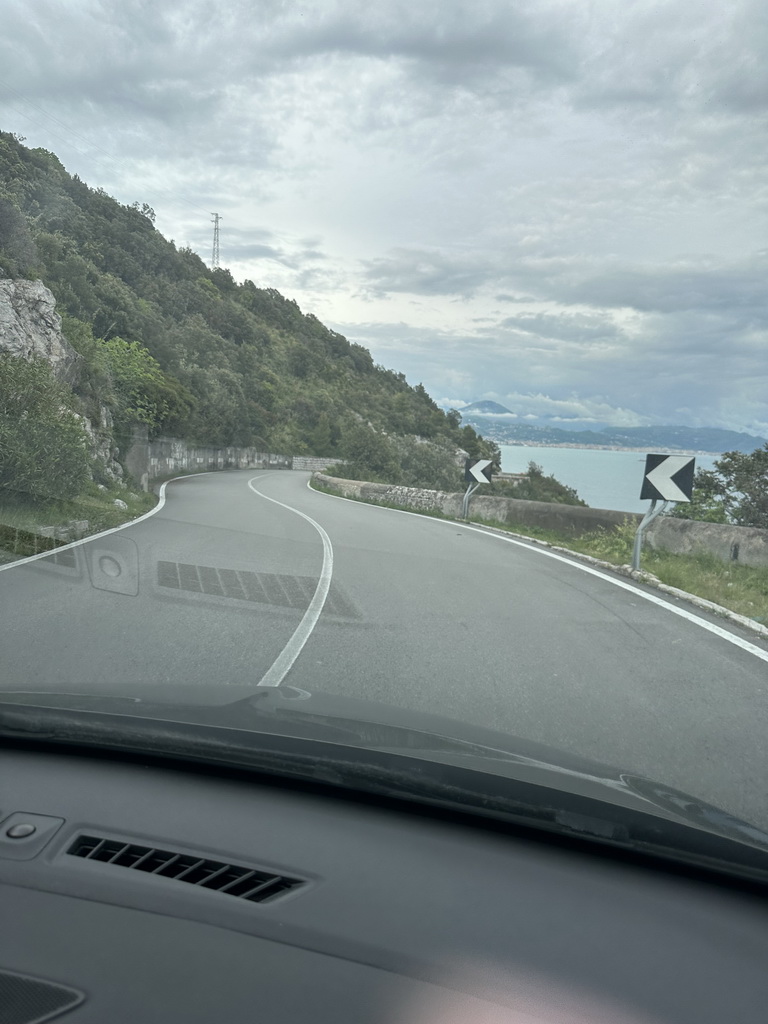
608, 478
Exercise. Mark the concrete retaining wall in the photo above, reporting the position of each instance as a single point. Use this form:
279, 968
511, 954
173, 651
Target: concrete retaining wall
679, 536
147, 460
740, 544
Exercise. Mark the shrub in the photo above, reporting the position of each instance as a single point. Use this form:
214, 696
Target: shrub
44, 449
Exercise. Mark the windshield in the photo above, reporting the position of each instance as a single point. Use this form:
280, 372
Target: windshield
409, 358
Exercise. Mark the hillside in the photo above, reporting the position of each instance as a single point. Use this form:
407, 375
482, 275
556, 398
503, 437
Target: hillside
498, 423
169, 344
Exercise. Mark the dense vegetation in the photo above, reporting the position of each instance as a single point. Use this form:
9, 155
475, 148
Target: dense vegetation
735, 491
43, 446
538, 487
167, 343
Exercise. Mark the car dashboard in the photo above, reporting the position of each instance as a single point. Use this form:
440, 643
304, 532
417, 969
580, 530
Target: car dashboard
138, 890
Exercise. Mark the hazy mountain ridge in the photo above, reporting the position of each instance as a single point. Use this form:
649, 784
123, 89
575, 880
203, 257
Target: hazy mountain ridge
486, 417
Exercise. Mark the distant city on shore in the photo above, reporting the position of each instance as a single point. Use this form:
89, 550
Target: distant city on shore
501, 425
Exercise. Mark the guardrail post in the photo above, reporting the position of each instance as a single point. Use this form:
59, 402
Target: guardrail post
645, 522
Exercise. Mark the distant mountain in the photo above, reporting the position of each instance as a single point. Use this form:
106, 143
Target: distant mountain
484, 417
705, 439
484, 409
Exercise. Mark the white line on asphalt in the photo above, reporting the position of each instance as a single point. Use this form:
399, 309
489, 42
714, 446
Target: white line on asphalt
732, 638
284, 661
104, 533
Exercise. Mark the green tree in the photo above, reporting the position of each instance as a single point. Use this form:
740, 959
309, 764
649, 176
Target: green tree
17, 249
428, 464
44, 449
370, 455
142, 392
537, 487
707, 501
745, 486
735, 491
320, 438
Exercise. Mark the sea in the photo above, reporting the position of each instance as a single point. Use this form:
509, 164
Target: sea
604, 478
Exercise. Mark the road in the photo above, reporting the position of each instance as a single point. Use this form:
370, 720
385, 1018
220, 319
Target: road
247, 578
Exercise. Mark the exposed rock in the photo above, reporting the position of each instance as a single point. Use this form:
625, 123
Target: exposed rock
30, 326
103, 444
119, 503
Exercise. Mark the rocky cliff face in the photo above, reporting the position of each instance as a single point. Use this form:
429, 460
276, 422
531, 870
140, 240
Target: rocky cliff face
30, 327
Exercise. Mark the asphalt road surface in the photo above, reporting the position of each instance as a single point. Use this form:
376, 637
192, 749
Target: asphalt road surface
245, 578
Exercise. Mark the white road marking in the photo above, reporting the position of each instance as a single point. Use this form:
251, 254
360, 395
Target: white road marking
104, 533
284, 661
684, 613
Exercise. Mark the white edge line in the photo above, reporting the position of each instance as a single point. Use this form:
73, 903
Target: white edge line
284, 661
105, 533
682, 612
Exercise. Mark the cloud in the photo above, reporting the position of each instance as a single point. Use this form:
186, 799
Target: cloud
574, 411
420, 272
549, 198
705, 284
451, 403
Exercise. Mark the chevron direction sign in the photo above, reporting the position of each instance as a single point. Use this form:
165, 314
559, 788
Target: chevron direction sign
478, 470
668, 477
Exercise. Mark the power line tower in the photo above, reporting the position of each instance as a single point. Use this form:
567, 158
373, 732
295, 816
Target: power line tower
215, 255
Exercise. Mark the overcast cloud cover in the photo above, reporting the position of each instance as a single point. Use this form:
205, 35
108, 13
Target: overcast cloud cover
557, 204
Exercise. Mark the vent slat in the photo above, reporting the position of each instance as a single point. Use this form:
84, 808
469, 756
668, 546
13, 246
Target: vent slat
213, 876
117, 853
257, 888
241, 875
165, 863
95, 849
187, 871
230, 879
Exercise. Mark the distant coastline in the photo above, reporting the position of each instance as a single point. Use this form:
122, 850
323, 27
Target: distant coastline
598, 447
495, 422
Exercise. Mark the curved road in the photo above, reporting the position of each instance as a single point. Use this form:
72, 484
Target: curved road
247, 578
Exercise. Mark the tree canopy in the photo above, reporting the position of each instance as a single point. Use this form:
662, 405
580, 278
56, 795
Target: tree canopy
735, 491
44, 448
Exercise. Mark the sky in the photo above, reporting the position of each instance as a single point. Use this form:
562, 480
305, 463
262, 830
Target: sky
559, 205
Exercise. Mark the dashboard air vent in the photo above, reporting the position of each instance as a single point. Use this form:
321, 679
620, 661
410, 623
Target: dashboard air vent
232, 879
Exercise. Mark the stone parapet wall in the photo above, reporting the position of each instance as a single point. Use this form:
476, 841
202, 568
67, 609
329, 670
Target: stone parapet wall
545, 514
313, 463
739, 544
742, 544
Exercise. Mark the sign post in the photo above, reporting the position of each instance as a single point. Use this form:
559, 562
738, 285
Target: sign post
667, 478
476, 472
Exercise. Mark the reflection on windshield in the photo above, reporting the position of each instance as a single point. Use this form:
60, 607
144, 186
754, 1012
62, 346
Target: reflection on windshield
472, 276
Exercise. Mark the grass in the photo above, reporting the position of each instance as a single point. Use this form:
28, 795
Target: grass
21, 519
740, 588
